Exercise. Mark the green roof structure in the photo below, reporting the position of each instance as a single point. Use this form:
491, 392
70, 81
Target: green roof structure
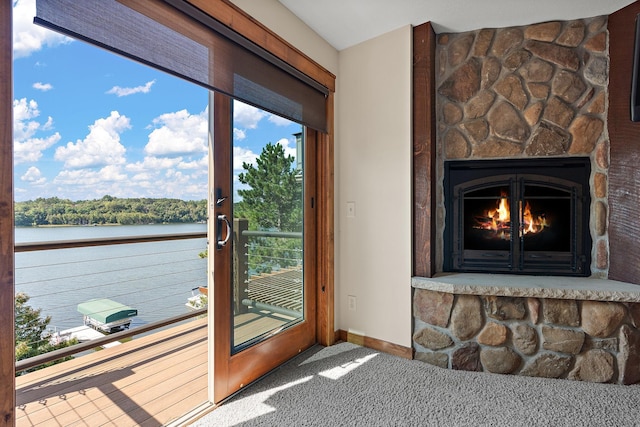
106, 311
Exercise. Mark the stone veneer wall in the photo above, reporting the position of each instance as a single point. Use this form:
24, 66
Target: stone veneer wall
525, 92
552, 338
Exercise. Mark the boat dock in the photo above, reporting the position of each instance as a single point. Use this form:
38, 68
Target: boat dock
82, 334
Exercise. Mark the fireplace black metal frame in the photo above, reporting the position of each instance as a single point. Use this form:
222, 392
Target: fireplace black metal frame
570, 176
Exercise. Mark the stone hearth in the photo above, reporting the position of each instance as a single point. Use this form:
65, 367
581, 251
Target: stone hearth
572, 328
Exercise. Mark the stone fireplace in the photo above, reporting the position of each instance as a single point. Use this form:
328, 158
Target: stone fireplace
506, 99
536, 92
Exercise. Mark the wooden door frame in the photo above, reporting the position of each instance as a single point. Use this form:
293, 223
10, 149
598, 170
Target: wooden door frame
7, 290
325, 326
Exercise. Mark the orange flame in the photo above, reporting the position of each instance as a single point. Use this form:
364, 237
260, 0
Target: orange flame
531, 224
498, 220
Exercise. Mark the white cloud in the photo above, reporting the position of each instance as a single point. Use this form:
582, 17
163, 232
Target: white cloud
28, 37
90, 177
42, 86
92, 183
33, 176
143, 176
243, 155
151, 163
178, 133
126, 91
28, 148
279, 121
200, 164
178, 184
239, 134
23, 112
170, 177
101, 147
288, 150
49, 124
245, 116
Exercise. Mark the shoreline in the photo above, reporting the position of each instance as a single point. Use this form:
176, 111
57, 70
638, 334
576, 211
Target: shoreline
104, 225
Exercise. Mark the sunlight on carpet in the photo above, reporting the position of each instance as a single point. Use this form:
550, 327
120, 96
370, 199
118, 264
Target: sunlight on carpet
259, 408
342, 370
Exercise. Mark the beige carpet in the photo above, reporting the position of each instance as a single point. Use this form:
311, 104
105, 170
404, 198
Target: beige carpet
348, 385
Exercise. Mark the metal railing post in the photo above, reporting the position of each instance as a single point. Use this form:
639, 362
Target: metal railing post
241, 264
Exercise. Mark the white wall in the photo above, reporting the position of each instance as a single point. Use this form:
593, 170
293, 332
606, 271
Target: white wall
373, 169
276, 17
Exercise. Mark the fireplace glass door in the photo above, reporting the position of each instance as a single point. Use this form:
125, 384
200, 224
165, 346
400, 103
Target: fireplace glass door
518, 223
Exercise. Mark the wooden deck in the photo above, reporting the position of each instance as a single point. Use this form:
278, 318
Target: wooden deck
148, 381
281, 289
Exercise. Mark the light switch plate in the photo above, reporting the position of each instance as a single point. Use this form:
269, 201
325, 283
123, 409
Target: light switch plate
351, 209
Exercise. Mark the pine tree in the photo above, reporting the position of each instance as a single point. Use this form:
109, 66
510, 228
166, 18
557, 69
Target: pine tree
30, 326
274, 199
32, 337
273, 202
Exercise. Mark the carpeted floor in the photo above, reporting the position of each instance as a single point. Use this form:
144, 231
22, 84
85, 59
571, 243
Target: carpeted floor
348, 385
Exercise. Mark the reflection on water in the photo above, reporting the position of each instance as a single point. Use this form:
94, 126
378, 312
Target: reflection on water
155, 278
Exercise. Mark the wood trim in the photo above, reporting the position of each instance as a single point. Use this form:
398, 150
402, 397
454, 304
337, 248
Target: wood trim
375, 344
624, 175
325, 295
310, 224
222, 270
241, 22
424, 150
7, 344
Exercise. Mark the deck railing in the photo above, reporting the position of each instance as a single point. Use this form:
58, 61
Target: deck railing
86, 243
246, 245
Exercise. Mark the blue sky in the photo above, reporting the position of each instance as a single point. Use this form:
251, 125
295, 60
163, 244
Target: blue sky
89, 123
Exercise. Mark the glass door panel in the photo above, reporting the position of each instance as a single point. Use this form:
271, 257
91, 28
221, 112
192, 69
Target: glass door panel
547, 219
268, 212
264, 287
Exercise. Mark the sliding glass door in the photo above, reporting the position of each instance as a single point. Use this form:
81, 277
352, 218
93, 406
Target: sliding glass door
262, 218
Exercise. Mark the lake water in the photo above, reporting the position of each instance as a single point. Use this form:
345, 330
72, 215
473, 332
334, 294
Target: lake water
155, 278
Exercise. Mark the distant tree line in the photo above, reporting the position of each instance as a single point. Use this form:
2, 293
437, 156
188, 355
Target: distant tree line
109, 210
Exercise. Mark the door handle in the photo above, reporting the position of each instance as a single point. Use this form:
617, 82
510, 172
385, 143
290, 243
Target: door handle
220, 243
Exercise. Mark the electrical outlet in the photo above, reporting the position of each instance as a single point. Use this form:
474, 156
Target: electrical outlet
351, 301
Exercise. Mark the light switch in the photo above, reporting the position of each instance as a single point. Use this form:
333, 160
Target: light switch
351, 209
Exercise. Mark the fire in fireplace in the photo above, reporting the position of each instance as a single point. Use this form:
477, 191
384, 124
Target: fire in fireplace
518, 216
